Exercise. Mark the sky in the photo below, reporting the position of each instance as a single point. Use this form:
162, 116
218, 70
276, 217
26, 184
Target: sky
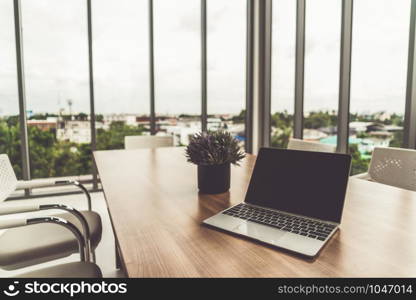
56, 55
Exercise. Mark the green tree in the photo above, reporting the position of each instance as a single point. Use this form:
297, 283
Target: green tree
359, 165
99, 118
113, 138
42, 116
42, 150
10, 142
282, 120
52, 158
281, 139
282, 124
320, 119
397, 140
240, 118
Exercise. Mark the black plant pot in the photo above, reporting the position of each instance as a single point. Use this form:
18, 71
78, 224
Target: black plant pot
214, 179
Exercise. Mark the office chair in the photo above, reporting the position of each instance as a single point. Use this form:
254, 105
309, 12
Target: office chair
26, 246
147, 141
392, 166
82, 269
297, 144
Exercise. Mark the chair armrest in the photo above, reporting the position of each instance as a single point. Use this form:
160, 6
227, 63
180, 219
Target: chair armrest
34, 184
16, 209
8, 209
5, 224
364, 176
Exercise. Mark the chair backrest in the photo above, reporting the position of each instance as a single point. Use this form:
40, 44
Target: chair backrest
297, 144
394, 166
8, 180
147, 141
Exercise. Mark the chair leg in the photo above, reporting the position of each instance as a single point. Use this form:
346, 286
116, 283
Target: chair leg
93, 256
118, 260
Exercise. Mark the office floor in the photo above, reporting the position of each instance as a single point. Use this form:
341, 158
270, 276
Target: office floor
105, 255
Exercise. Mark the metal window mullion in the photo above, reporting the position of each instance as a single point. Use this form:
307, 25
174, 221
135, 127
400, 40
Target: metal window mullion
151, 72
204, 108
264, 71
299, 69
24, 140
91, 90
345, 76
410, 109
249, 77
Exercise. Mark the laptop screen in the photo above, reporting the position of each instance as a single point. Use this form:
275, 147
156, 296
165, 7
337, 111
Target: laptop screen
311, 184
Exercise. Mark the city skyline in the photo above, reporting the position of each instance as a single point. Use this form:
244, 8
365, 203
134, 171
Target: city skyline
56, 57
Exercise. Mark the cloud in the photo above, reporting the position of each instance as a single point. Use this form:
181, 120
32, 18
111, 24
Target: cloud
56, 55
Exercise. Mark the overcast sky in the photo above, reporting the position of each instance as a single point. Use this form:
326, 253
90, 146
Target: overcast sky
56, 55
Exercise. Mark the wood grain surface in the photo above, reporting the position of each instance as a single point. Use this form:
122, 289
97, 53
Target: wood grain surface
156, 214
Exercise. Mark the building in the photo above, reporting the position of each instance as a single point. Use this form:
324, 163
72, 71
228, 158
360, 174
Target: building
45, 125
358, 127
74, 131
128, 119
313, 134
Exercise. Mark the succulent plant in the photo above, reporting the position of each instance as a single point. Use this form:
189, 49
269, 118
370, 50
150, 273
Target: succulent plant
214, 148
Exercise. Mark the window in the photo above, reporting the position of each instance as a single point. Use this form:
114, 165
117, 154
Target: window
283, 71
378, 77
322, 60
9, 107
226, 48
177, 59
56, 70
121, 70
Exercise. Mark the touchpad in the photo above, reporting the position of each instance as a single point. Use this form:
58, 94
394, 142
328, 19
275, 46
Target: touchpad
260, 232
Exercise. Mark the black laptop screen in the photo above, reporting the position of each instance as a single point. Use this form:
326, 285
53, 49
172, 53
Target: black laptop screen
307, 183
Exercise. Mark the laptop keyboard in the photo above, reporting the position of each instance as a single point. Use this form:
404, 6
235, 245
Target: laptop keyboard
298, 225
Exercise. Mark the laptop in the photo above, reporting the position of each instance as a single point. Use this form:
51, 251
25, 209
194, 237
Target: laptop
294, 200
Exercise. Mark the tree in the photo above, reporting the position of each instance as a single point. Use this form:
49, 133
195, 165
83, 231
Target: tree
113, 138
42, 148
10, 142
359, 165
397, 140
281, 139
282, 123
99, 118
42, 116
320, 119
282, 120
81, 117
52, 158
240, 118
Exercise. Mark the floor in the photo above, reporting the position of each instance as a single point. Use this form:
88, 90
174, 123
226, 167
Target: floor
105, 255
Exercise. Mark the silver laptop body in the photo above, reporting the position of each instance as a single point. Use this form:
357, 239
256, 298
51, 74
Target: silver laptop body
303, 233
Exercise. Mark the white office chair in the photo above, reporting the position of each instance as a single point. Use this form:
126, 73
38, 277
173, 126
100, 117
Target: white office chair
392, 166
297, 144
82, 269
147, 141
26, 246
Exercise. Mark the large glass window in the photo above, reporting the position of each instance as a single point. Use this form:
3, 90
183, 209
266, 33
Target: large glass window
177, 57
56, 70
378, 79
9, 107
322, 60
283, 71
226, 39
121, 70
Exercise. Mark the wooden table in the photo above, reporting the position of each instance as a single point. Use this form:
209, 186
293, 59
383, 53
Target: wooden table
156, 213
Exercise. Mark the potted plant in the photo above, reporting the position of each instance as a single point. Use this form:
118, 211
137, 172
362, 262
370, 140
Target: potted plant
213, 152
